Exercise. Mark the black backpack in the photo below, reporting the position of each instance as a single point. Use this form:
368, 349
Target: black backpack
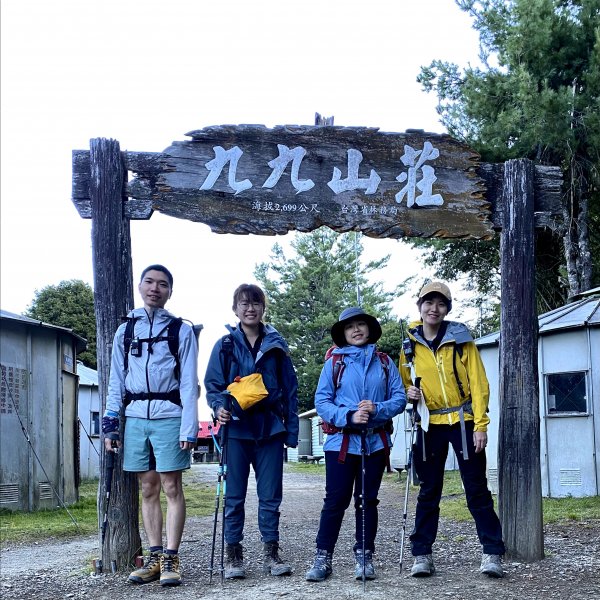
172, 338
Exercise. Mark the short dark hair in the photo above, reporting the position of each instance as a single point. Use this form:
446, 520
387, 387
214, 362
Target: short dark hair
161, 269
249, 292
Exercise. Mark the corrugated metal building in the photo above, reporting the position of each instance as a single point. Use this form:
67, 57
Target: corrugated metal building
310, 437
569, 384
39, 453
88, 410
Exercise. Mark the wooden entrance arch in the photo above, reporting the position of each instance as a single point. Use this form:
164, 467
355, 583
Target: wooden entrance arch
251, 179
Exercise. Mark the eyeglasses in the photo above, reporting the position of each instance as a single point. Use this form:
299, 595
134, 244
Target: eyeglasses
247, 305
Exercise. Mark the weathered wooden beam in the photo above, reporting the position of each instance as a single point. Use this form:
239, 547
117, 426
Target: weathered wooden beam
113, 298
519, 476
171, 182
174, 182
547, 183
148, 163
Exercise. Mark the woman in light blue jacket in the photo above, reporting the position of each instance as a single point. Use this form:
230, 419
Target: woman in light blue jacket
359, 392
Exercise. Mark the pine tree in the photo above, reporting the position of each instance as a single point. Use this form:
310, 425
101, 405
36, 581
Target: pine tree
537, 97
307, 292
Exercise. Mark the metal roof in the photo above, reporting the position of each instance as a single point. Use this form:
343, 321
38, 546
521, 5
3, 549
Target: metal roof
87, 376
81, 342
584, 312
309, 413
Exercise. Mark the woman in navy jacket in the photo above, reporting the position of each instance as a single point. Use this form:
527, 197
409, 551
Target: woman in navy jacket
359, 392
257, 435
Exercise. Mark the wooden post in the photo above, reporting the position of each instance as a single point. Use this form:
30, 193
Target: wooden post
519, 476
113, 298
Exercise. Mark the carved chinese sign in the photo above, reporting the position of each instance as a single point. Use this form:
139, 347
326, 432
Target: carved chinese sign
251, 179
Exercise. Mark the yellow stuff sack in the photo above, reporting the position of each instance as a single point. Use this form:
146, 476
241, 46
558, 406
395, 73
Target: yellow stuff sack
248, 390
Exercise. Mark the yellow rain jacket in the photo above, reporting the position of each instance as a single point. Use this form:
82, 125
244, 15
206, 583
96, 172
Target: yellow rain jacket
438, 380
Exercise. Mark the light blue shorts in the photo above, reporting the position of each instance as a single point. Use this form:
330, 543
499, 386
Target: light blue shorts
153, 445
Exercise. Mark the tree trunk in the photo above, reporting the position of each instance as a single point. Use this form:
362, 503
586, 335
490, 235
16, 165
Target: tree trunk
519, 476
585, 265
113, 298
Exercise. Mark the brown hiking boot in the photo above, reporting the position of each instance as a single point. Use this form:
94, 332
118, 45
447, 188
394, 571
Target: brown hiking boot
149, 572
170, 571
272, 562
234, 562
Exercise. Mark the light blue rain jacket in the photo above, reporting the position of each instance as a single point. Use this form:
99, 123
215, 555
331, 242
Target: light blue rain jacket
363, 378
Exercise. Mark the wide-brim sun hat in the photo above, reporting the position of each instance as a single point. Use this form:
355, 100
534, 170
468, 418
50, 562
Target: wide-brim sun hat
436, 287
354, 313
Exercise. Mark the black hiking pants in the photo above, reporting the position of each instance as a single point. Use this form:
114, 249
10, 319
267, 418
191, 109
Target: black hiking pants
431, 475
341, 479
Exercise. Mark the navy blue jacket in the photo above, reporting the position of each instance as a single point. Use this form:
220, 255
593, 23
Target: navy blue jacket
276, 414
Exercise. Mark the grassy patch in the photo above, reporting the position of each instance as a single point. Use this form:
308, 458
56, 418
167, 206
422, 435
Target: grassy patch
56, 523
45, 524
298, 467
571, 509
454, 506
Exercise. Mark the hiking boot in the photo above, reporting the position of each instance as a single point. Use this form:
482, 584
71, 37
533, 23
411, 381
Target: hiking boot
149, 572
491, 565
234, 562
170, 571
367, 560
423, 566
321, 568
273, 563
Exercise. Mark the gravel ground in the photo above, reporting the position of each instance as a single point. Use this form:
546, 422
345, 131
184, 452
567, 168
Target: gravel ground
58, 570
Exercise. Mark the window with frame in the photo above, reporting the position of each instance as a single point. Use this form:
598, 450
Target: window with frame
566, 393
95, 423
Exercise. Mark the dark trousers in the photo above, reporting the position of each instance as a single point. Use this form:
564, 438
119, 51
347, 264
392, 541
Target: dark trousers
340, 480
266, 458
431, 475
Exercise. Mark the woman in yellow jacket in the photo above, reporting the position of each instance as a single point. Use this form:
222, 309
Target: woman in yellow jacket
451, 396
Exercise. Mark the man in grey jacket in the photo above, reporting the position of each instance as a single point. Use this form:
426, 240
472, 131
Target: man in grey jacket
154, 377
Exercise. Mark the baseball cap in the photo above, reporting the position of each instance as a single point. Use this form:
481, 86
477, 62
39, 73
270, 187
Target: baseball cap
436, 287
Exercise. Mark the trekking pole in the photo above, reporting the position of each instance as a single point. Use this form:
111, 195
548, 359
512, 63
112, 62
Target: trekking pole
363, 449
109, 468
217, 500
408, 472
221, 488
226, 406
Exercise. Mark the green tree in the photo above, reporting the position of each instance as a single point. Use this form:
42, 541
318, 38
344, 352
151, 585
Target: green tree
307, 292
69, 304
537, 96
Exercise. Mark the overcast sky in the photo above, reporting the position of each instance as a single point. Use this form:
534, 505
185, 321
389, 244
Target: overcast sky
145, 73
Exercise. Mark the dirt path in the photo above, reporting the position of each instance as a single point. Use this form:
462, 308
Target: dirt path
52, 571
